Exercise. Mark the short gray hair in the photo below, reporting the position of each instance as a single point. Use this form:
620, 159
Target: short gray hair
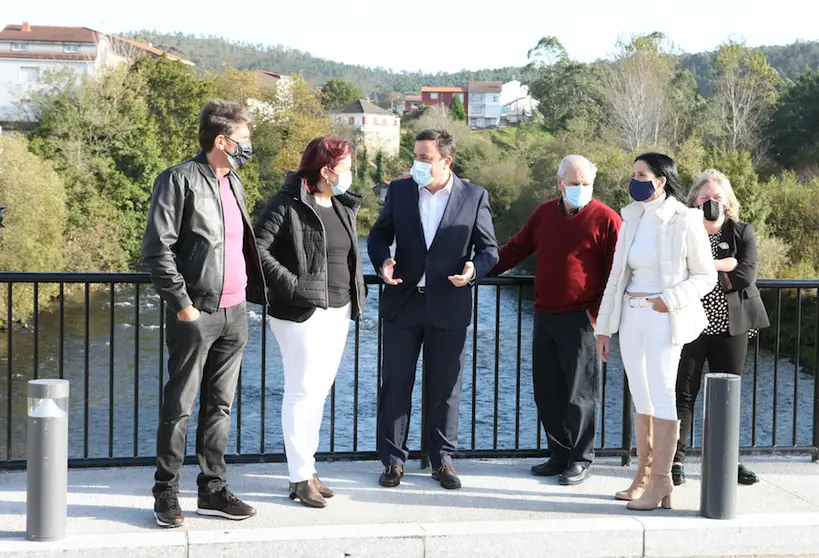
575, 161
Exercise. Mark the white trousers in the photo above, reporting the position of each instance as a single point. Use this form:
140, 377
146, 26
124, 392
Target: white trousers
650, 359
311, 354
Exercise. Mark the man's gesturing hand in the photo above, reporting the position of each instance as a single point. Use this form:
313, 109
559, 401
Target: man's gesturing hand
386, 272
465, 277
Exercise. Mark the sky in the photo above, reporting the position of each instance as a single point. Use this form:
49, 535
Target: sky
439, 36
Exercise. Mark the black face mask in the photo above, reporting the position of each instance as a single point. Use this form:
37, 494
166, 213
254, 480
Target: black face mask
712, 210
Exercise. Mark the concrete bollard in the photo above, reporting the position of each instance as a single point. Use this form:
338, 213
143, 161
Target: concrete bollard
720, 446
47, 460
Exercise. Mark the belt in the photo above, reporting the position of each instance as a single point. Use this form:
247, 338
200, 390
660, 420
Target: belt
639, 301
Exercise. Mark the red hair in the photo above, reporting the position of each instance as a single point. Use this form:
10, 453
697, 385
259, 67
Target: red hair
324, 151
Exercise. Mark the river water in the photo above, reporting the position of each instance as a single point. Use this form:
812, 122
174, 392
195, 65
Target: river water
135, 388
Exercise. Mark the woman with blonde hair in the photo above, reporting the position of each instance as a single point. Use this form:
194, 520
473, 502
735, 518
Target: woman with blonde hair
662, 268
734, 307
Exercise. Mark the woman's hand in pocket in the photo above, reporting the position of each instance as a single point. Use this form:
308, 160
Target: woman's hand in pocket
603, 347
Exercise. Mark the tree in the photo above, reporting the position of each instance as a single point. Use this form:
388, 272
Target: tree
686, 108
745, 90
337, 93
456, 109
794, 126
739, 168
32, 239
380, 167
636, 89
564, 89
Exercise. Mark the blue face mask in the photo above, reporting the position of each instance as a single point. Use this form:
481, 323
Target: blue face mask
422, 173
578, 196
641, 191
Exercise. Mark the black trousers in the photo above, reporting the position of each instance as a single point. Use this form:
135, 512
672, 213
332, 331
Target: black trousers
444, 360
725, 353
207, 355
566, 382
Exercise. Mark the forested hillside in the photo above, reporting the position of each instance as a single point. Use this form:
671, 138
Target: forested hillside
213, 53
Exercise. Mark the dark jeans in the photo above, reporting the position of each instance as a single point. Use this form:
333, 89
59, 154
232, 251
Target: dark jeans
207, 355
725, 353
444, 360
566, 382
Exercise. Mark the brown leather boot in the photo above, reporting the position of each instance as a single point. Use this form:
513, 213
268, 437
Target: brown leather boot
307, 493
323, 490
643, 433
660, 488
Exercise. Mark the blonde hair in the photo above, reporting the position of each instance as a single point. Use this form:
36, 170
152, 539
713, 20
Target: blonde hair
713, 175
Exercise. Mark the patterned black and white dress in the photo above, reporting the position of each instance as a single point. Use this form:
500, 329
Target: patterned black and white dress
715, 303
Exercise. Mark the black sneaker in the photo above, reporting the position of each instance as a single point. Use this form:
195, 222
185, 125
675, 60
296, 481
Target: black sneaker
167, 511
223, 504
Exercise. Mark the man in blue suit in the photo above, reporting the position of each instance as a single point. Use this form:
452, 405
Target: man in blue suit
437, 221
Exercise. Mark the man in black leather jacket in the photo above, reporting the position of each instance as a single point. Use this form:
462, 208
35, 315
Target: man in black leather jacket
200, 250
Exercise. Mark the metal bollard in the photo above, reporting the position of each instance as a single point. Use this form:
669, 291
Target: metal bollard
47, 460
720, 446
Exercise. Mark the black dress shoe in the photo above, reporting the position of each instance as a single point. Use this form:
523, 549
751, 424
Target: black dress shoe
447, 478
391, 476
575, 473
549, 469
746, 476
677, 474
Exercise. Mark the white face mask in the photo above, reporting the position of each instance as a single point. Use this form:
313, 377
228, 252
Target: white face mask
345, 180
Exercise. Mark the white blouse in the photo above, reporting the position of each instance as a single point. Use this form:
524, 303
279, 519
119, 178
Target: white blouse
643, 256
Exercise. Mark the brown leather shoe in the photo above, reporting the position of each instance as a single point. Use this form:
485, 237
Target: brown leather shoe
447, 477
391, 476
323, 490
307, 493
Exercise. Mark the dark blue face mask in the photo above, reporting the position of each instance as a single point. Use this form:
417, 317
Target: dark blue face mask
641, 191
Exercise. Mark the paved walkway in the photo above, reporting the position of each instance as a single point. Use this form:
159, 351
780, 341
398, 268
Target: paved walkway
501, 511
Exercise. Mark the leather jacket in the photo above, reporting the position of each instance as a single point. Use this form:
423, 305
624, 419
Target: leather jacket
184, 240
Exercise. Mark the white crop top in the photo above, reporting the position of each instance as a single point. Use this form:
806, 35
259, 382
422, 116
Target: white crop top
643, 256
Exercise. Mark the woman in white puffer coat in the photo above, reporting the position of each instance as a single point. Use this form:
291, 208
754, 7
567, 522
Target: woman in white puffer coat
662, 268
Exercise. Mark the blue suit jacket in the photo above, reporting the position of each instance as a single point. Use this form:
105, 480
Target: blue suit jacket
465, 226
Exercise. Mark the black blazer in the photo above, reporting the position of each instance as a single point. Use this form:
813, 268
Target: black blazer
745, 308
466, 225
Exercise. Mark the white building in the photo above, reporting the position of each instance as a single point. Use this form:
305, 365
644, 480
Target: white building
378, 128
484, 104
26, 51
517, 105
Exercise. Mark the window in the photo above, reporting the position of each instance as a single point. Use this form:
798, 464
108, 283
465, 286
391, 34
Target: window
29, 75
477, 97
352, 121
72, 49
19, 47
460, 96
363, 120
433, 96
494, 98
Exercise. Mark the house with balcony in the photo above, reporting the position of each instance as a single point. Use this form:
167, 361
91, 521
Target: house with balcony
484, 104
27, 51
377, 128
433, 96
518, 105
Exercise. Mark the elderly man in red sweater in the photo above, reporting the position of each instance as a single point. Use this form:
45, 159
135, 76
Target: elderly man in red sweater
574, 238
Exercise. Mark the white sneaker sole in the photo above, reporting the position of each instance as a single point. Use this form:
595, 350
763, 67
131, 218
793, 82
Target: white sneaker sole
219, 513
166, 525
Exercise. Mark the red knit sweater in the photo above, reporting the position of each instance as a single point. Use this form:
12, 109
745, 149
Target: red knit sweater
574, 255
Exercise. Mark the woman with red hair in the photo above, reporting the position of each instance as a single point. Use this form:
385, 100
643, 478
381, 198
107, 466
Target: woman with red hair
309, 251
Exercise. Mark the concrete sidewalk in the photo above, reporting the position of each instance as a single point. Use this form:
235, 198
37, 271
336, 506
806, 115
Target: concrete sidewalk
501, 511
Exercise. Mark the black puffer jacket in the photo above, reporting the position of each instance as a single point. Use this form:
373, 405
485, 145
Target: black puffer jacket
290, 239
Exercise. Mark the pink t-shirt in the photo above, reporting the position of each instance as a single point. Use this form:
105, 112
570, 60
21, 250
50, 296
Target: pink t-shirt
233, 290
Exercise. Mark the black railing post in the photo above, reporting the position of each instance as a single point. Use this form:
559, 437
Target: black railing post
626, 423
816, 385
